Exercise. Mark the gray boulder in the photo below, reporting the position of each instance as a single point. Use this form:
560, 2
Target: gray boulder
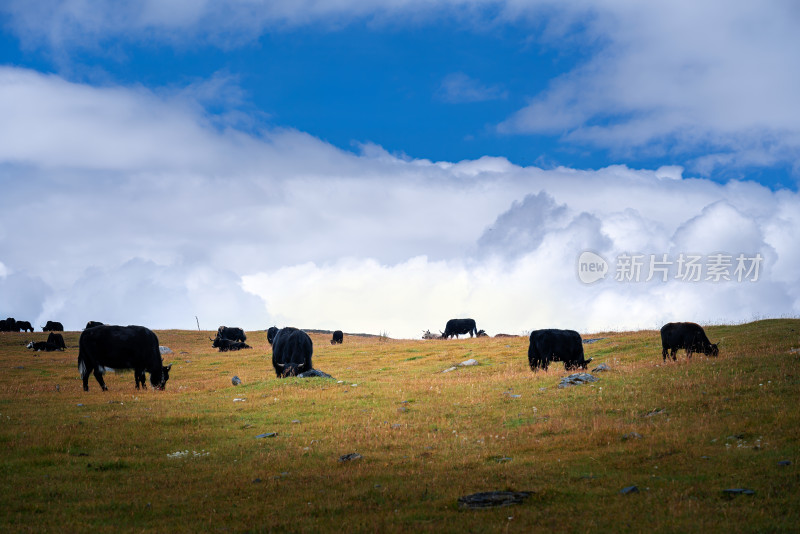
577, 379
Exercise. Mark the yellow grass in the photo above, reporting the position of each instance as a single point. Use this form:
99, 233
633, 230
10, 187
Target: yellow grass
106, 461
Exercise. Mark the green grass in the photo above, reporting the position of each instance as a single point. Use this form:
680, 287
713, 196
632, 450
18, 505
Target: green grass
187, 459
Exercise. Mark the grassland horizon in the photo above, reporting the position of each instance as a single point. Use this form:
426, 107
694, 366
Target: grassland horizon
189, 458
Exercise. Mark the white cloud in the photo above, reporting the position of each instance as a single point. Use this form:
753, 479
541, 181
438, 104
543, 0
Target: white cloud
458, 88
177, 219
712, 82
674, 76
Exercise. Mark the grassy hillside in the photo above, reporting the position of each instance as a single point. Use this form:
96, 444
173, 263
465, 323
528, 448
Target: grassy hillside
187, 459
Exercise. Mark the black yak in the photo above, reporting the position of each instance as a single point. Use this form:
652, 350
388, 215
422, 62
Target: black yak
121, 347
689, 336
454, 327
291, 351
553, 345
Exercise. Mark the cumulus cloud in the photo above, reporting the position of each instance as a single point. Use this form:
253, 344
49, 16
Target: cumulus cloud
713, 83
672, 77
279, 227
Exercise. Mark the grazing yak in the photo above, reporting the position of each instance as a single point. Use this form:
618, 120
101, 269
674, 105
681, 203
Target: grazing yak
232, 333
8, 325
53, 326
338, 337
229, 339
689, 336
454, 327
24, 326
121, 347
553, 345
57, 340
291, 351
92, 324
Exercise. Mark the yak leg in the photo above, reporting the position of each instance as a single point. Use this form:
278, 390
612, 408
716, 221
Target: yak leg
85, 372
672, 353
139, 376
99, 376
664, 354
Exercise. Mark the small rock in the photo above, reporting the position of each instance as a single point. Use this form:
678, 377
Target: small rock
784, 463
492, 499
471, 361
236, 380
631, 435
350, 457
315, 373
654, 412
450, 369
164, 350
592, 340
295, 421
577, 379
601, 367
239, 400
629, 490
256, 480
738, 491
267, 435
396, 426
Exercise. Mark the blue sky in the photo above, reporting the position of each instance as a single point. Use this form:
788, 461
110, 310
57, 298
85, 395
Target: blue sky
351, 147
435, 86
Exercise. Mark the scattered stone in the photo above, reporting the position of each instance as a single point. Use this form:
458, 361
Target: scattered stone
577, 379
738, 491
471, 361
657, 411
236, 380
629, 490
450, 369
267, 435
592, 340
631, 435
601, 367
256, 480
784, 463
397, 425
492, 499
511, 395
295, 421
315, 373
402, 409
164, 350
350, 457
794, 351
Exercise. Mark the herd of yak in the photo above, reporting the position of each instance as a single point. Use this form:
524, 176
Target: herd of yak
136, 347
